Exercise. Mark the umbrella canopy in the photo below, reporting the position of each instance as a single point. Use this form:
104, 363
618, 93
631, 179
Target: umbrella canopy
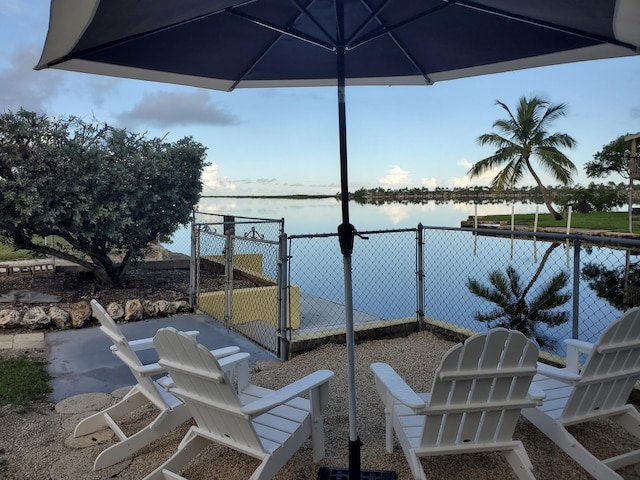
228, 44
225, 44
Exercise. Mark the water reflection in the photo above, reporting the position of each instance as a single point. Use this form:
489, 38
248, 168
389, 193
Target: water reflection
384, 268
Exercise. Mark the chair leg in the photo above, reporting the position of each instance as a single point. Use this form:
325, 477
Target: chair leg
131, 402
557, 433
520, 462
166, 421
189, 448
629, 420
414, 464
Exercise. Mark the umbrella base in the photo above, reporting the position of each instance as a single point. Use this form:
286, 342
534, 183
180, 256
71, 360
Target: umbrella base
334, 473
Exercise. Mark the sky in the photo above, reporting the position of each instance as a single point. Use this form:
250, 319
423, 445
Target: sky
285, 141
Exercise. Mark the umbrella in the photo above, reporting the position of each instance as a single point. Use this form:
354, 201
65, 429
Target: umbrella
228, 44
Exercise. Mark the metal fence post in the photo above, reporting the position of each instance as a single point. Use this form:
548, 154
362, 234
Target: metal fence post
283, 303
229, 233
576, 287
420, 277
193, 261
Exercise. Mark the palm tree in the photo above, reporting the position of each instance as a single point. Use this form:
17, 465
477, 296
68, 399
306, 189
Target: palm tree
522, 137
512, 308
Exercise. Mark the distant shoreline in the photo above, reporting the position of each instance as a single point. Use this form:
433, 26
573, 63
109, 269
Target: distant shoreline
294, 197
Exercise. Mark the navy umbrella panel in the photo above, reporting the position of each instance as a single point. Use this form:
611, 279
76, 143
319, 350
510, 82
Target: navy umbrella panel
228, 44
269, 43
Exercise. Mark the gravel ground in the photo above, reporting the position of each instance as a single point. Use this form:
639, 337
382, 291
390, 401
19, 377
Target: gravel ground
32, 444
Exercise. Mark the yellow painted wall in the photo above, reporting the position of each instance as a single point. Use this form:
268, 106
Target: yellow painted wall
249, 304
251, 262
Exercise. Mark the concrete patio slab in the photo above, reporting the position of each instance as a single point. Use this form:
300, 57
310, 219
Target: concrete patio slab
80, 361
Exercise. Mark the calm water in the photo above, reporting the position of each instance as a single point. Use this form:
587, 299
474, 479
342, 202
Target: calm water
452, 258
324, 215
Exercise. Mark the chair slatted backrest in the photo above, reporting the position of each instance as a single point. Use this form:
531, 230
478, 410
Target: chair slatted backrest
128, 356
479, 388
202, 384
610, 371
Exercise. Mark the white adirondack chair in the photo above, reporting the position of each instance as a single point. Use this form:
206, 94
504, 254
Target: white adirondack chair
265, 424
172, 411
598, 389
478, 391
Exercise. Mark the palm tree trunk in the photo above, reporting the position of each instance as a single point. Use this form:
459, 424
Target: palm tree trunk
543, 261
543, 192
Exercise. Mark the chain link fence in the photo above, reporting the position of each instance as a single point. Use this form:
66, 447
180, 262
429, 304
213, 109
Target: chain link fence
246, 251
463, 280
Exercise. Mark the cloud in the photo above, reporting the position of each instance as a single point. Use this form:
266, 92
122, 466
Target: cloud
215, 183
23, 87
165, 109
429, 183
266, 181
395, 177
466, 181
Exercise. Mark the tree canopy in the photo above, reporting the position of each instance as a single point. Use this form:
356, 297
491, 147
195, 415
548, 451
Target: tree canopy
106, 192
524, 136
612, 159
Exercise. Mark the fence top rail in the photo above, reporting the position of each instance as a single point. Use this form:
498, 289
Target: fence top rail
594, 239
245, 219
358, 232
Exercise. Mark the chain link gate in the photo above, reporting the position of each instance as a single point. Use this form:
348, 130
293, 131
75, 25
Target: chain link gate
245, 251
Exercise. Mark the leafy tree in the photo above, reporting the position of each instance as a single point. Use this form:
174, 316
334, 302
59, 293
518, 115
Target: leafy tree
512, 308
107, 193
612, 159
522, 137
602, 198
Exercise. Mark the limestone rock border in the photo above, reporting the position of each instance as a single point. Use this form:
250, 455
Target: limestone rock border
78, 315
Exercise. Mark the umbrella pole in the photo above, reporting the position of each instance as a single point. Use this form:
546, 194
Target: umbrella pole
346, 235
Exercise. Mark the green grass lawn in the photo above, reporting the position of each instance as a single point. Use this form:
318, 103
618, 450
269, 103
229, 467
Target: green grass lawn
7, 253
610, 221
23, 381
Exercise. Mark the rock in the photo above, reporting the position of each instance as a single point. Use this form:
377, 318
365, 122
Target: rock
86, 403
133, 310
60, 318
9, 318
35, 318
115, 311
149, 309
80, 314
182, 306
165, 308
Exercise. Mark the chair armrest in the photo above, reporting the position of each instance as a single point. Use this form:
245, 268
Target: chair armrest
561, 374
147, 343
396, 386
536, 394
231, 361
283, 395
225, 351
574, 349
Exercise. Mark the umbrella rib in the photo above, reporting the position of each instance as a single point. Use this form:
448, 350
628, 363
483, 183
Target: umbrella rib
541, 23
388, 30
305, 12
286, 30
283, 30
373, 14
125, 40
